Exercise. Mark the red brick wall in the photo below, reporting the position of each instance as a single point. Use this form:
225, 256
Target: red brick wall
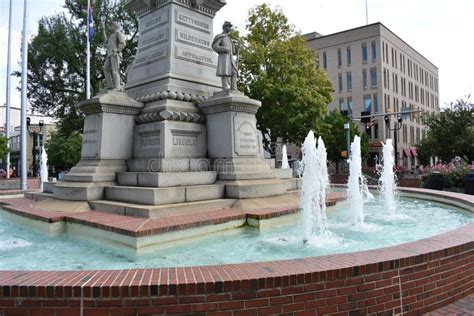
345, 284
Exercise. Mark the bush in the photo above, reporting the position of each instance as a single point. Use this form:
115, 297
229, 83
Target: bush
453, 174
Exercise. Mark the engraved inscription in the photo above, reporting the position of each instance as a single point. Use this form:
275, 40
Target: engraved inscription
90, 137
192, 39
245, 136
196, 56
191, 22
153, 40
185, 141
152, 56
150, 140
153, 21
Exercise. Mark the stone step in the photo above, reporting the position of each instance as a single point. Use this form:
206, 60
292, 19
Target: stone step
166, 195
148, 211
166, 179
247, 175
80, 191
245, 189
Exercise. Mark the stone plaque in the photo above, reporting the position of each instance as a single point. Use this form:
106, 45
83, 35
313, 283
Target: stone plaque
184, 141
150, 140
152, 56
245, 136
193, 38
196, 56
153, 21
153, 39
90, 138
192, 22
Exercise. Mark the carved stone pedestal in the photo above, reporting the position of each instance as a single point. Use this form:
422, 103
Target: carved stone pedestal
107, 143
235, 146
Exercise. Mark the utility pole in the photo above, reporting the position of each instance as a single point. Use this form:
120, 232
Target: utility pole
7, 109
24, 105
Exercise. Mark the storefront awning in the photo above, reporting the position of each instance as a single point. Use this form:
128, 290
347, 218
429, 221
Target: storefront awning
414, 152
406, 152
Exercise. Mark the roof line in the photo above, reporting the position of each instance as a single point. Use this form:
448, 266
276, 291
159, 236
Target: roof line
361, 27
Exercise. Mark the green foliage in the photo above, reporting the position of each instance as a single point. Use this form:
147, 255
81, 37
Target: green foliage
277, 69
450, 133
57, 59
64, 151
331, 129
3, 147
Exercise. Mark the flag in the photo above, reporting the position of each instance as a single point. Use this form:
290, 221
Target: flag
90, 21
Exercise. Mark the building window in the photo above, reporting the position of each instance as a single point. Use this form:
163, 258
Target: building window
341, 104
349, 56
367, 103
349, 81
383, 51
373, 77
364, 53
339, 58
325, 60
339, 77
349, 105
376, 103
364, 78
374, 51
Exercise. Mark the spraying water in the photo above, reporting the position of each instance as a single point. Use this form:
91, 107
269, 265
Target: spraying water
387, 179
356, 186
315, 181
284, 158
44, 168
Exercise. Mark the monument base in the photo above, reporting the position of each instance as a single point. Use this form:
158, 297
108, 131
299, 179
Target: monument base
107, 143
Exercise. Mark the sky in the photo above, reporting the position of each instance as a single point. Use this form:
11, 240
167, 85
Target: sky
440, 30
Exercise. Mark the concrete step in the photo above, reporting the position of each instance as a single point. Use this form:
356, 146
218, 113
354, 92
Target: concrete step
246, 189
166, 179
166, 195
38, 196
148, 211
247, 175
80, 191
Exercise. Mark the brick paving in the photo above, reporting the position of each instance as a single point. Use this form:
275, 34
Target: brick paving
463, 307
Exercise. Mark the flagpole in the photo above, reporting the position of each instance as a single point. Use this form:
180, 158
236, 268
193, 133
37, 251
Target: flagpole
88, 63
366, 13
24, 70
7, 109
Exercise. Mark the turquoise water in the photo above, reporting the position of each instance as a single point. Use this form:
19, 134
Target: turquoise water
24, 249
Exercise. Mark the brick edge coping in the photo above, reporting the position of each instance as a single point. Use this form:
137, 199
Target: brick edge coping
141, 227
427, 274
377, 260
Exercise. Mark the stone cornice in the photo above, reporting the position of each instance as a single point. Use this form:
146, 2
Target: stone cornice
225, 102
169, 115
208, 7
111, 102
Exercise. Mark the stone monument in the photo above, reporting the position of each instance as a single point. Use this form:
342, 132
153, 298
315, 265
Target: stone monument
178, 133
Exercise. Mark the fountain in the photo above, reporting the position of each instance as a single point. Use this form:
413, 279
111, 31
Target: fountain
356, 186
284, 158
44, 168
387, 179
315, 181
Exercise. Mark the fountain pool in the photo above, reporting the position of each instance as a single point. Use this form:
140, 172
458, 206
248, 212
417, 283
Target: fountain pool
24, 249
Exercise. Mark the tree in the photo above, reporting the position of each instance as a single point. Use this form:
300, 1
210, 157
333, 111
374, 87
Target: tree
3, 147
331, 129
57, 59
64, 151
450, 133
277, 69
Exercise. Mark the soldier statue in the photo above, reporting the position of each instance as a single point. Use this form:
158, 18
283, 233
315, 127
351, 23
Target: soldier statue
226, 65
114, 43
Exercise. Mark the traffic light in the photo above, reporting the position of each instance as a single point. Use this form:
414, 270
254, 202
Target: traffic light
344, 154
365, 119
372, 121
386, 118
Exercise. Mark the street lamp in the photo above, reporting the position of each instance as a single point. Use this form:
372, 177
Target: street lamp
348, 138
36, 140
396, 127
